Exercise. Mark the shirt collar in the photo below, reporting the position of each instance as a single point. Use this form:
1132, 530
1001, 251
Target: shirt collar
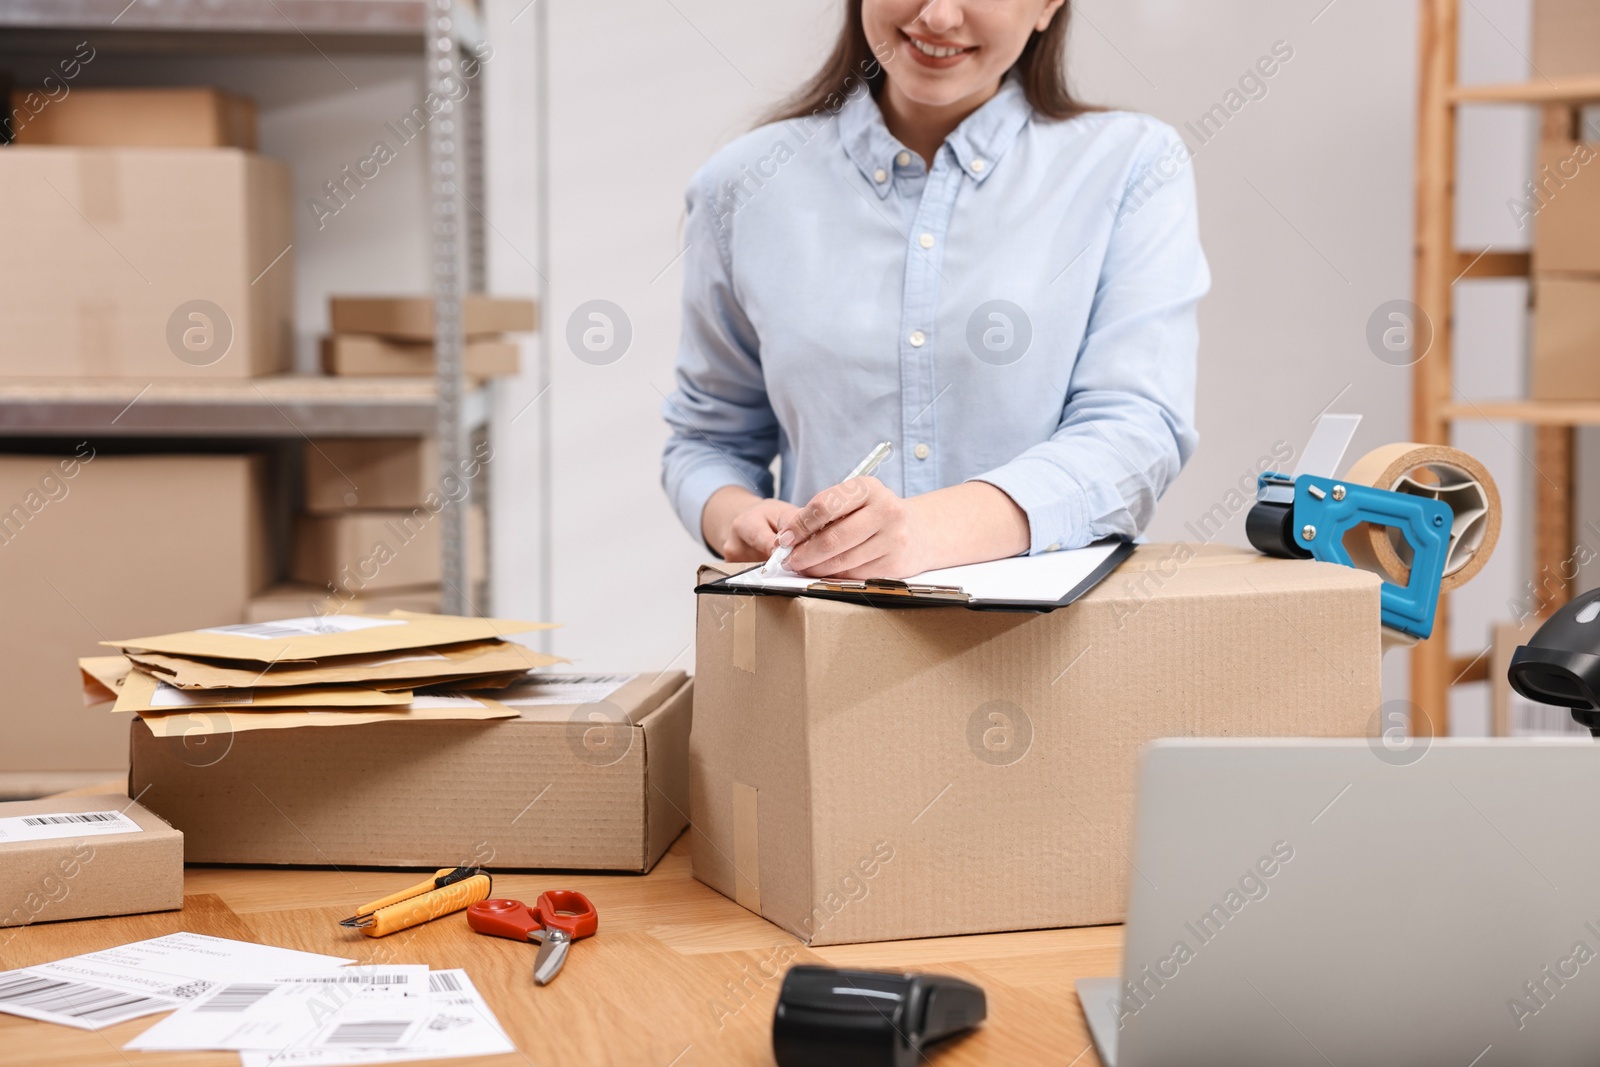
978, 143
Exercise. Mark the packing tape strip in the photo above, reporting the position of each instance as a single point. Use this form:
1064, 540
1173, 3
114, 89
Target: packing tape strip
1442, 473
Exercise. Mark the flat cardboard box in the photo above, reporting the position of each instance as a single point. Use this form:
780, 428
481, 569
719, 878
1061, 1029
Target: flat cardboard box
1566, 38
117, 544
866, 774
365, 355
371, 551
88, 875
196, 117
346, 473
410, 318
144, 263
597, 786
290, 600
1565, 363
1566, 228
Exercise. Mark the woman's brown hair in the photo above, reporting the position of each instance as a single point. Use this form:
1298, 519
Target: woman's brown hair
1041, 69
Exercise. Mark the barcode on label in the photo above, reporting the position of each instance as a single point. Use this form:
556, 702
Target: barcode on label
378, 1032
359, 979
78, 1000
58, 820
439, 982
235, 997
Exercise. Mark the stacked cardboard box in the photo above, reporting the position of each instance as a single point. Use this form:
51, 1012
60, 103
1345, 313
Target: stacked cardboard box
144, 239
380, 335
1565, 206
369, 535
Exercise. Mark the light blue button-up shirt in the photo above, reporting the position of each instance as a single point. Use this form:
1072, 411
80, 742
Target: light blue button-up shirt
1021, 313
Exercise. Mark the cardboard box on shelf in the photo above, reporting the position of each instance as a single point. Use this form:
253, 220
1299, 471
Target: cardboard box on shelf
194, 117
144, 263
86, 857
103, 545
1566, 38
294, 601
597, 779
410, 318
366, 552
862, 774
1566, 225
365, 355
1565, 363
343, 473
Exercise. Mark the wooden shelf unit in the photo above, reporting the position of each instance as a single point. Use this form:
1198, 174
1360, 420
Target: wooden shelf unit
1436, 403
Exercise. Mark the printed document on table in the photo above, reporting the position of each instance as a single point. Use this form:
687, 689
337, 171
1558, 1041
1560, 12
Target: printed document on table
459, 1024
101, 988
277, 1013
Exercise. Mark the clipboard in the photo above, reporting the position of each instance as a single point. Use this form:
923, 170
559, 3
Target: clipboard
997, 586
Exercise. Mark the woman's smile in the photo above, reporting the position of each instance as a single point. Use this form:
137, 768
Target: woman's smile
934, 53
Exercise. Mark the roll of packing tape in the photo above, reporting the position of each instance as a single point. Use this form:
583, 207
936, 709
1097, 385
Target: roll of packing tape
1436, 471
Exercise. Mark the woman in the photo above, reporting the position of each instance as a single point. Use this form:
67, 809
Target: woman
933, 244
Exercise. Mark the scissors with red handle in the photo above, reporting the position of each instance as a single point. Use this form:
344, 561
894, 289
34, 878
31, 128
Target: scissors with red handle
557, 919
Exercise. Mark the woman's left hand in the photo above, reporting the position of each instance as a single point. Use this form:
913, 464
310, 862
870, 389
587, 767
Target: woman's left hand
856, 529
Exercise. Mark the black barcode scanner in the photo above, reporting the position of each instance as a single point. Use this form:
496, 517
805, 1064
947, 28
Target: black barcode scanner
1560, 664
833, 1018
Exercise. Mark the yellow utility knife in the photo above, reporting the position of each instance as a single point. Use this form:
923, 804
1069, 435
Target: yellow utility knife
450, 890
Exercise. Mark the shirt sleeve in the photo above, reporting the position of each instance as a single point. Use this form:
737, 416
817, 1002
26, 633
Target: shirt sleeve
723, 430
1127, 425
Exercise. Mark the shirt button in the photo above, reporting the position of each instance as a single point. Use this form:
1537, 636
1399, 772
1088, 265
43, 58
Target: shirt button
903, 159
926, 240
921, 451
880, 175
978, 166
917, 338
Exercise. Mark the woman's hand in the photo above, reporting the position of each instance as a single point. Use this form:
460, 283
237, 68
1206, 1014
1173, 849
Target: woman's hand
861, 529
856, 529
741, 526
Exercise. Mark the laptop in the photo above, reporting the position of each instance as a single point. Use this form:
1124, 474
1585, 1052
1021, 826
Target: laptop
1339, 902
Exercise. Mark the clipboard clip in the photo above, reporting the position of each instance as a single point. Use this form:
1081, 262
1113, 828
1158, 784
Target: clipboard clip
890, 587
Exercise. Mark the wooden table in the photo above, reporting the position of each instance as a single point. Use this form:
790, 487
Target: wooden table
678, 976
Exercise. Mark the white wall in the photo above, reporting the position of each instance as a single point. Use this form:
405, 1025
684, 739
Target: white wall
1306, 208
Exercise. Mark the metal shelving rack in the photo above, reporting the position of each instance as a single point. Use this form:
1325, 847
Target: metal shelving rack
1436, 402
290, 406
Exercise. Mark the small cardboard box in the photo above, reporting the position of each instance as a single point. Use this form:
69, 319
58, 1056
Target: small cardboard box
1566, 229
86, 857
1566, 38
345, 473
1566, 337
290, 601
410, 318
151, 118
144, 263
96, 545
363, 355
599, 782
866, 774
373, 551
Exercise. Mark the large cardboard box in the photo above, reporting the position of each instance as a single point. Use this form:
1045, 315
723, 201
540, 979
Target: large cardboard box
1566, 229
366, 356
195, 117
1566, 338
373, 551
410, 318
84, 857
97, 547
1566, 38
596, 784
862, 774
144, 263
344, 473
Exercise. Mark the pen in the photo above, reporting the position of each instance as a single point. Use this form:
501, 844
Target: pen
870, 463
